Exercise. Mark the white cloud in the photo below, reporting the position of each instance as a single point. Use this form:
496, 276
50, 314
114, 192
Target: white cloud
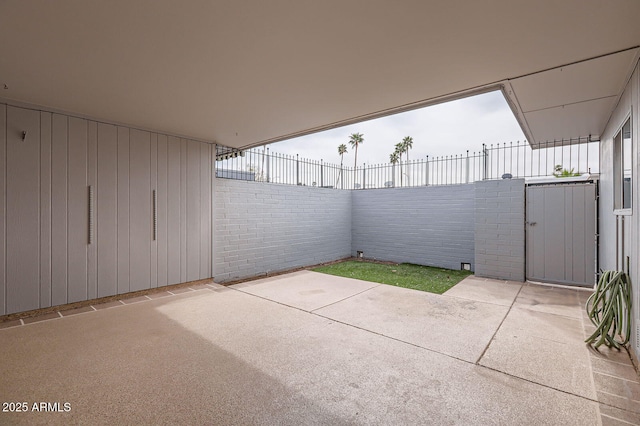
446, 129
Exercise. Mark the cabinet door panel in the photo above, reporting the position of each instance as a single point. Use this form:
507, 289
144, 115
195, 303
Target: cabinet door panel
59, 186
173, 211
205, 210
106, 210
123, 210
140, 210
193, 211
23, 210
183, 210
92, 181
78, 217
45, 209
154, 205
3, 213
162, 211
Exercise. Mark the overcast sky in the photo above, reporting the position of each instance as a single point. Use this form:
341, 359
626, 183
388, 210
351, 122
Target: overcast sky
446, 129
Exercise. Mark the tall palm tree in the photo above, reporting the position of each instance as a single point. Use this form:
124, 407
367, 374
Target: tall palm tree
355, 139
407, 144
399, 151
393, 159
342, 150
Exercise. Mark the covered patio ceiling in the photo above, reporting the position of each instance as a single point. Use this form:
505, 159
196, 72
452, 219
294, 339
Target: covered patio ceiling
570, 101
247, 73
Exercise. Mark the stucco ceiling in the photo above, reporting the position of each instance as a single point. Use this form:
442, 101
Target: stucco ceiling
242, 73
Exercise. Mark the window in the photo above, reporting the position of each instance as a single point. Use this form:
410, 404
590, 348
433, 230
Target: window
622, 167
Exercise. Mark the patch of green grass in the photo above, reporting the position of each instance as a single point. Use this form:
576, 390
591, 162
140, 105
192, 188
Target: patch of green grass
425, 278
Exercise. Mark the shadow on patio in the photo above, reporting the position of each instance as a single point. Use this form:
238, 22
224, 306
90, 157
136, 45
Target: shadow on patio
307, 348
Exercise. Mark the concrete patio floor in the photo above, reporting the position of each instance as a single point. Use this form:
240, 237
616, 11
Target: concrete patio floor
308, 348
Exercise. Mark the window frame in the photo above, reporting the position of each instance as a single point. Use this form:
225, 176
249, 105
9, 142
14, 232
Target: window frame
618, 169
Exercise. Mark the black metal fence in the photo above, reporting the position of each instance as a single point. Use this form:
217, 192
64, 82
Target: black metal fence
517, 160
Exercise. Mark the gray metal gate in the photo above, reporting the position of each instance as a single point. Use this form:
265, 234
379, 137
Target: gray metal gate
561, 233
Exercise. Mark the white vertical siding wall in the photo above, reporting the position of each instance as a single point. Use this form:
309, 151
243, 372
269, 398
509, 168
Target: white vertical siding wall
45, 255
629, 104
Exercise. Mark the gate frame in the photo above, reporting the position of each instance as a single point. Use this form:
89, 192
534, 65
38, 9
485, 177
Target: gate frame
592, 179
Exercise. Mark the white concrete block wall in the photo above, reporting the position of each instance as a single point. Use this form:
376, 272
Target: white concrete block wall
499, 229
431, 226
262, 228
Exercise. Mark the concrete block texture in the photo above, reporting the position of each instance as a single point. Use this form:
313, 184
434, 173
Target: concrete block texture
431, 226
263, 228
499, 229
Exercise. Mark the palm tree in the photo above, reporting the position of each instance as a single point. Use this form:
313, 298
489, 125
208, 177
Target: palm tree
393, 159
355, 139
407, 144
342, 150
399, 151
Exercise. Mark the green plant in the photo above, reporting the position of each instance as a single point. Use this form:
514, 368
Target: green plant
562, 173
417, 277
609, 309
393, 157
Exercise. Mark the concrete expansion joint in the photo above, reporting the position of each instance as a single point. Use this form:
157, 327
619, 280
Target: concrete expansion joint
393, 338
352, 325
544, 385
346, 298
499, 326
